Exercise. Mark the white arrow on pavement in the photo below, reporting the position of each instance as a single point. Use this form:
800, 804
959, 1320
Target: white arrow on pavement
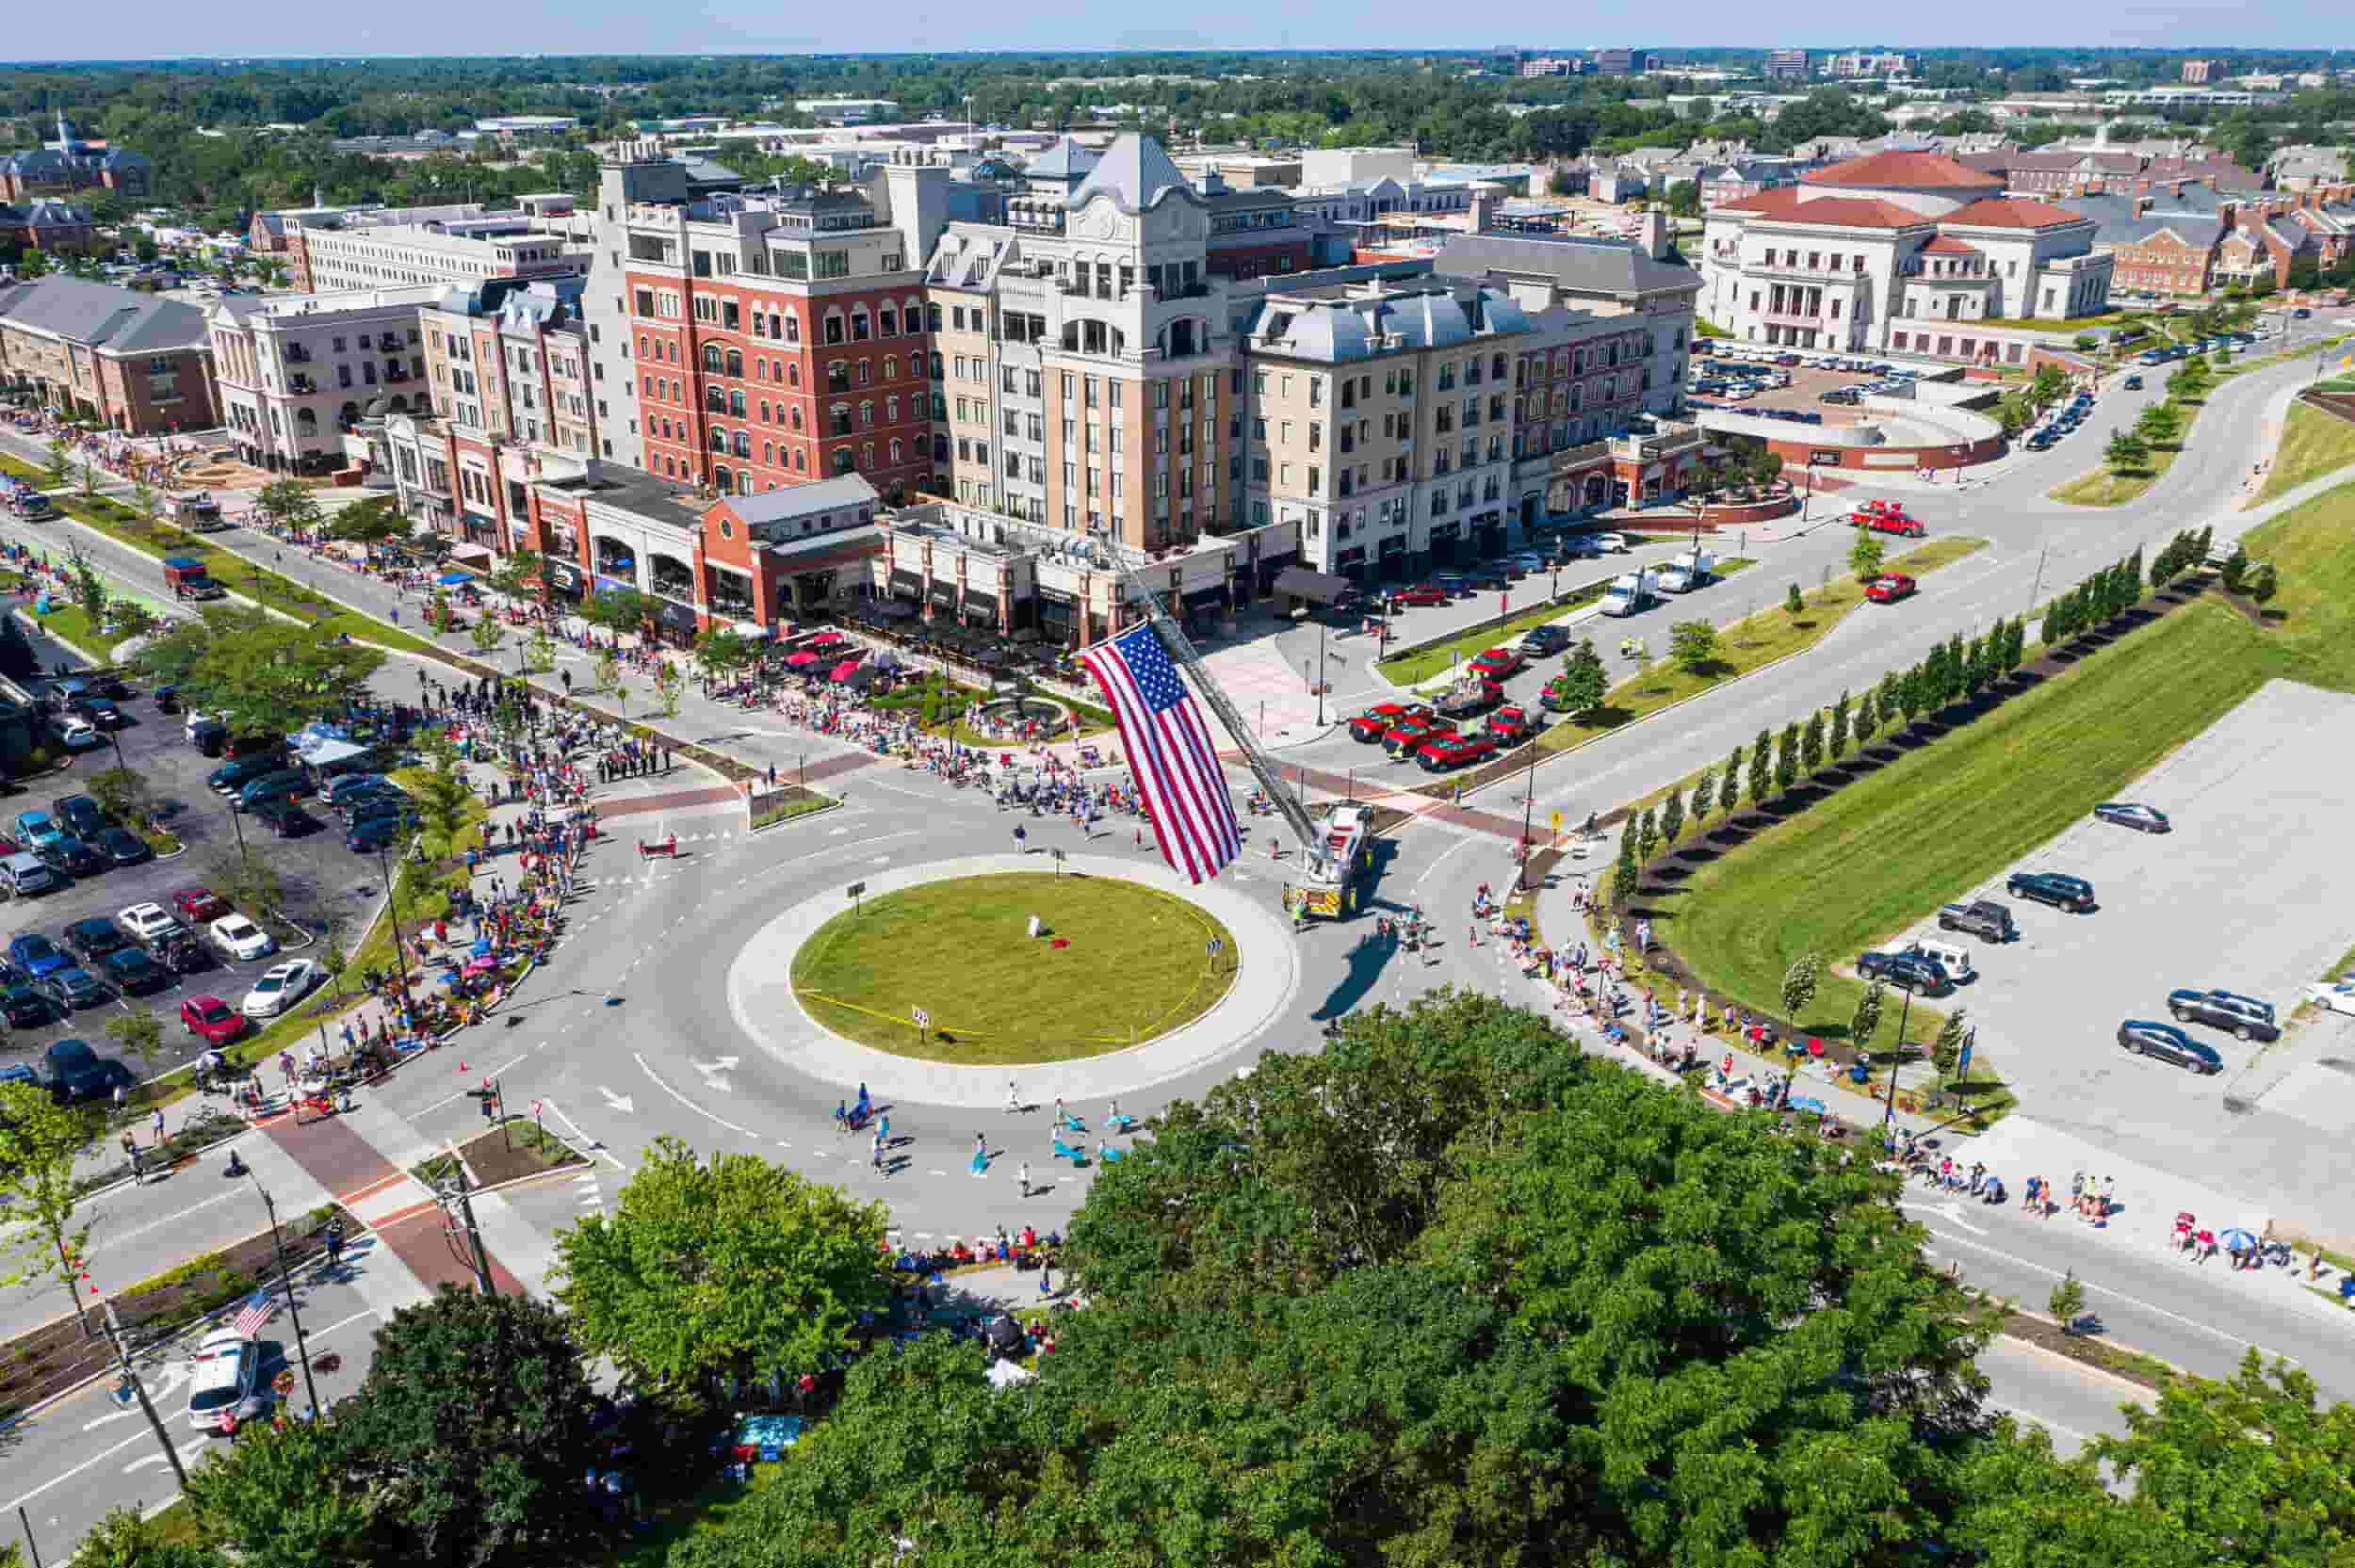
622, 1103
713, 1069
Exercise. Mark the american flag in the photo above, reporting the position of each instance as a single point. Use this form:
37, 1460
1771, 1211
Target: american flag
258, 1309
1170, 755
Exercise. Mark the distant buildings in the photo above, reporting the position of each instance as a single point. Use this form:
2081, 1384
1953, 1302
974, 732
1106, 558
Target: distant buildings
1867, 63
1623, 62
849, 111
50, 226
131, 361
69, 165
1786, 65
2199, 72
296, 372
381, 248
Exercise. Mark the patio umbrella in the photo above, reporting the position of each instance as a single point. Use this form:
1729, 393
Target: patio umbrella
804, 656
1005, 1374
844, 670
2235, 1239
481, 965
825, 639
481, 948
452, 579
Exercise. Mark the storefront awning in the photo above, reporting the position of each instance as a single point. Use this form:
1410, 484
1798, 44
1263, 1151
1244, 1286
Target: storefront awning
1316, 587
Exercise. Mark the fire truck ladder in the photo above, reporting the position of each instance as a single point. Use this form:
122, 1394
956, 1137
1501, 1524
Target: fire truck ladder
1263, 767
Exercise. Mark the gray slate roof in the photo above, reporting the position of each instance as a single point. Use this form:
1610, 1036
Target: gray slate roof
847, 490
104, 316
1135, 173
1575, 263
1066, 160
1343, 329
2194, 219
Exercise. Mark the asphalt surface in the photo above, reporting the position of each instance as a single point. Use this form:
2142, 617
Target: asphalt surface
627, 1035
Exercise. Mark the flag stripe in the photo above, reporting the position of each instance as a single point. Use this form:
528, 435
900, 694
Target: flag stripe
1171, 758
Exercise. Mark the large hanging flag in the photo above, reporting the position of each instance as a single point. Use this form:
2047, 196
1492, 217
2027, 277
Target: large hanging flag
258, 1309
1169, 755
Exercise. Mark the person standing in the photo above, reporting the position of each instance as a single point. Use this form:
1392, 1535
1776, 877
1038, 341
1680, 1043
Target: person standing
130, 1151
1013, 1098
156, 1121
1022, 1177
1021, 840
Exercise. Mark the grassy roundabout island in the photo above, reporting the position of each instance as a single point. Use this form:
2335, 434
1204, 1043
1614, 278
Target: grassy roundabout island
1132, 964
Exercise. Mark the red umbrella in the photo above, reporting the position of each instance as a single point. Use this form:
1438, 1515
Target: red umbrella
842, 672
804, 656
825, 639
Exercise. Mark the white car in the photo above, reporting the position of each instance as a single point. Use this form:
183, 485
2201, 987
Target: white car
227, 1380
2332, 995
148, 922
1609, 541
79, 734
280, 987
241, 938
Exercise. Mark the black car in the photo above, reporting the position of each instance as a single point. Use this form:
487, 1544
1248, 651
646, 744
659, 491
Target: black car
282, 816
73, 1071
95, 937
1540, 641
384, 808
167, 699
2051, 887
1924, 977
353, 803
123, 846
25, 1008
2140, 1037
132, 972
73, 988
2246, 1016
69, 856
377, 832
2131, 814
101, 712
78, 814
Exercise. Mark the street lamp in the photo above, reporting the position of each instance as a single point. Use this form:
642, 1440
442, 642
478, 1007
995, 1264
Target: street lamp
1896, 1058
392, 913
303, 1347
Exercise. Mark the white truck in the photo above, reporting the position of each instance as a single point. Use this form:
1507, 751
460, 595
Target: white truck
1689, 571
1629, 594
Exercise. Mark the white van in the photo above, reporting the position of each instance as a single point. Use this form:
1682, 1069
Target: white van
1952, 956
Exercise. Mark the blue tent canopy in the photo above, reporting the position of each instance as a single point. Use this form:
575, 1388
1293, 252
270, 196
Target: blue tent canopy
452, 579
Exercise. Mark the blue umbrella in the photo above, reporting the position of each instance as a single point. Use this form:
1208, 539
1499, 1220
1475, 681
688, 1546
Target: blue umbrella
2235, 1239
452, 579
483, 949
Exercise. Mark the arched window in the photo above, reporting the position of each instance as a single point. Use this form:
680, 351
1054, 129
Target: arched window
720, 477
886, 322
796, 420
744, 446
844, 463
641, 345
860, 331
866, 417
891, 367
306, 422
792, 374
744, 482
800, 461
718, 440
895, 452
911, 315
833, 327
735, 401
711, 358
764, 413
715, 400
769, 452
735, 362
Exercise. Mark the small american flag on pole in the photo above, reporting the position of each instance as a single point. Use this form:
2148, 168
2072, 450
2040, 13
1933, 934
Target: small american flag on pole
258, 1309
1169, 755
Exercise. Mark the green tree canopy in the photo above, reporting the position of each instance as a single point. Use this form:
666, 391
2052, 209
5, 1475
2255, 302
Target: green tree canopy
734, 1266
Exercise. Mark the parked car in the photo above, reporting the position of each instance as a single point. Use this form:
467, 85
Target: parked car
199, 906
122, 847
78, 733
241, 938
2245, 1016
2140, 1037
225, 1381
2332, 995
73, 858
367, 836
1543, 641
282, 817
1496, 663
2134, 383
1452, 751
80, 814
72, 1071
284, 784
2051, 887
1890, 588
149, 923
33, 955
25, 1008
1466, 697
1886, 523
131, 972
211, 1020
73, 988
1419, 593
280, 987
1924, 977
1981, 918
95, 937
2131, 814
1408, 734
1377, 722
1511, 725
35, 829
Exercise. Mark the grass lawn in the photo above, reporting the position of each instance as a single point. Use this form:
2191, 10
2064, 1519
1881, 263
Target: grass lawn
2105, 486
2312, 443
1406, 668
1998, 788
800, 806
960, 950
1749, 642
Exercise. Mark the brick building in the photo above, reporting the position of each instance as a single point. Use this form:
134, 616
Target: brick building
133, 361
50, 226
69, 166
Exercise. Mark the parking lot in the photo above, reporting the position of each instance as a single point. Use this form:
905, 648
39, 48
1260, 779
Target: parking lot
319, 876
2246, 893
1803, 395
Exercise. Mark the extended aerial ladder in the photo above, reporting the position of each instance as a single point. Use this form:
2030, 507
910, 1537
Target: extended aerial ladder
1327, 858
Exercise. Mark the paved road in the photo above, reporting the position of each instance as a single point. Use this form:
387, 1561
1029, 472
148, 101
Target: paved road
625, 1035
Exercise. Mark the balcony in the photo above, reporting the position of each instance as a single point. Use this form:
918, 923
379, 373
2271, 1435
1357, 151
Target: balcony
301, 386
1800, 270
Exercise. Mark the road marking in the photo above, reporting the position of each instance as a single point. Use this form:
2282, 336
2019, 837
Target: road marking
186, 1449
173, 1218
495, 1071
618, 1102
1435, 865
690, 1104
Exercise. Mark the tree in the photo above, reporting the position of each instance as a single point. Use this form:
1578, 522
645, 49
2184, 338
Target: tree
122, 794
1977, 668
143, 499
1625, 875
126, 1538
2066, 1301
1811, 743
1867, 1023
89, 589
374, 521
608, 668
470, 1427
668, 684
1864, 558
245, 878
1671, 819
1868, 717
736, 1267
443, 799
621, 699
138, 1033
1800, 982
1787, 759
1646, 837
623, 611
2260, 583
1730, 783
521, 575
1794, 602
2054, 630
1946, 1051
1581, 686
60, 462
2159, 424
1910, 694
290, 505
1762, 767
39, 1140
1839, 742
281, 1497
1704, 797
2235, 569
1694, 645
486, 635
2125, 451
263, 674
540, 652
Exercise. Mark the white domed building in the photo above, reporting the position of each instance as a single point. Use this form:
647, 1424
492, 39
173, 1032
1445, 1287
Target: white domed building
1900, 253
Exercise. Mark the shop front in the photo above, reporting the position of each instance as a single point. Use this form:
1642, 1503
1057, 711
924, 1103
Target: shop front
907, 586
674, 622
980, 609
1059, 617
1447, 544
564, 582
1391, 562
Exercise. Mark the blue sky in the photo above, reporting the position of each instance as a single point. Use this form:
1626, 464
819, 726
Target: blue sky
153, 28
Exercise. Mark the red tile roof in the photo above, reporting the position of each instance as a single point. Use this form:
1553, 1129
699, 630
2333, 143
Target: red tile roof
1947, 245
1904, 171
1994, 213
1790, 203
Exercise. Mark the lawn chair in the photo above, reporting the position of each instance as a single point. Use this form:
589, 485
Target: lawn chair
1106, 1152
1120, 1124
1064, 1150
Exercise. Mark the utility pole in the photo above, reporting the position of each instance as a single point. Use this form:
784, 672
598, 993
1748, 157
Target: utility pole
1896, 1058
474, 1233
1529, 802
122, 1360
286, 1280
2037, 587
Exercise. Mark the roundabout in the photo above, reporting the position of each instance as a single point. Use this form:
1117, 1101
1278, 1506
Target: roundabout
831, 986
1016, 967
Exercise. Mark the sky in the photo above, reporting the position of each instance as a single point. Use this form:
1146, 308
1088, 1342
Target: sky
152, 29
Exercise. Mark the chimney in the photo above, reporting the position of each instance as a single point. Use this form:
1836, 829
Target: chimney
1654, 233
1483, 207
